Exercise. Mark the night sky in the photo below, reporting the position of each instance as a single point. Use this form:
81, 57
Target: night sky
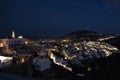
59, 17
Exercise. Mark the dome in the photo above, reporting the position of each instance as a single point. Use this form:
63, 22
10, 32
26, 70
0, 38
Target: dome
20, 36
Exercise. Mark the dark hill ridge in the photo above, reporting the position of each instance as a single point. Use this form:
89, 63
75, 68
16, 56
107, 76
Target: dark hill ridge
93, 36
86, 35
83, 33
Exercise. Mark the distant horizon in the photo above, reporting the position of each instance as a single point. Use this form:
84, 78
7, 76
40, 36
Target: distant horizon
45, 35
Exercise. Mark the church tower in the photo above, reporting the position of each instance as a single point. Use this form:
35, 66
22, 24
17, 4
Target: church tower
13, 34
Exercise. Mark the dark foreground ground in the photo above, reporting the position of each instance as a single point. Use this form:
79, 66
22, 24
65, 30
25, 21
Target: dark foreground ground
101, 69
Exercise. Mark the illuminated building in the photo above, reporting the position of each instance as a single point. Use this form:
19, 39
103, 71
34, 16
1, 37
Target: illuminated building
5, 61
1, 45
13, 34
4, 46
13, 41
5, 43
16, 41
20, 37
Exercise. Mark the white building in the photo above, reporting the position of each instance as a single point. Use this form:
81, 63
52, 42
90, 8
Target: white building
5, 43
42, 62
17, 41
5, 61
13, 41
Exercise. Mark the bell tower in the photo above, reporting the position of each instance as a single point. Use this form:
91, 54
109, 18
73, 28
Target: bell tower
13, 34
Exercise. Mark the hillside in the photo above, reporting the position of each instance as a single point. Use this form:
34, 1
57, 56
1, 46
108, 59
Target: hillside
86, 35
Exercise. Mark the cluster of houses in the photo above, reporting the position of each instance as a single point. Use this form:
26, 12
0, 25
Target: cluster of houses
5, 48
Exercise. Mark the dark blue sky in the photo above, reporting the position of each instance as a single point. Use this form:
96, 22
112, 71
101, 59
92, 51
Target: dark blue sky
59, 17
